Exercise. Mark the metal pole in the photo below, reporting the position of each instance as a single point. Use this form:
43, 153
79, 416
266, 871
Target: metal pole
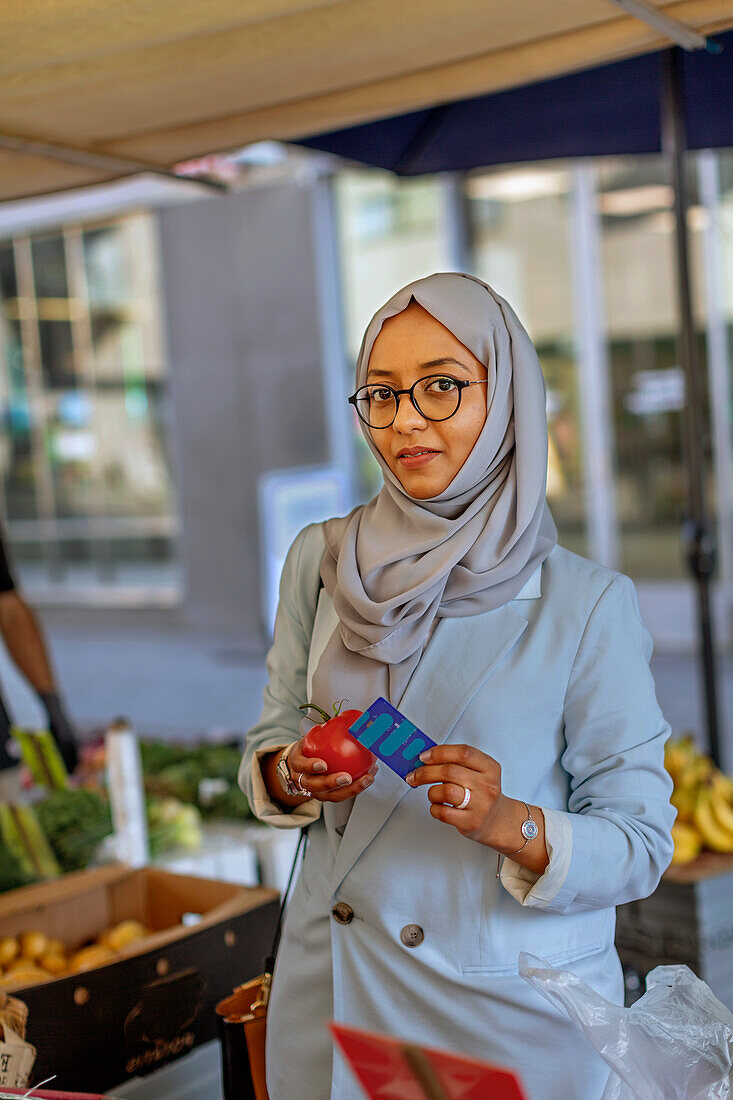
594, 387
697, 535
457, 222
720, 378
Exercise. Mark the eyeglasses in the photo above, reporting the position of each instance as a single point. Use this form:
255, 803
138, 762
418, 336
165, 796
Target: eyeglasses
435, 398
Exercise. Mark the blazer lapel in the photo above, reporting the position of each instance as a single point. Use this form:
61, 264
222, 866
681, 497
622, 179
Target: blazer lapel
459, 658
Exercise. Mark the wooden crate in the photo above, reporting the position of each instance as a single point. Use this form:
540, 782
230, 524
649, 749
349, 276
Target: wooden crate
688, 919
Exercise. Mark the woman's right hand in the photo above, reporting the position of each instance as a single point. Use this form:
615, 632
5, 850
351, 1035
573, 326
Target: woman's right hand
313, 776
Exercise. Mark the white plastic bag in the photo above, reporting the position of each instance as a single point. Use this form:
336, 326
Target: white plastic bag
674, 1043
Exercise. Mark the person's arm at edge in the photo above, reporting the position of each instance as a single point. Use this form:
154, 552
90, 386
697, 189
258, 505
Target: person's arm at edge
24, 641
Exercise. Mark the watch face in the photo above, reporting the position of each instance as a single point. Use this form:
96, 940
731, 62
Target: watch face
529, 830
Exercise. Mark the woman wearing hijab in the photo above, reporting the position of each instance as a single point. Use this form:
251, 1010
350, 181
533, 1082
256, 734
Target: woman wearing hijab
527, 665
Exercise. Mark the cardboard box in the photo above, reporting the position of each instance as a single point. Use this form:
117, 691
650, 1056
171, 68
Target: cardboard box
156, 1002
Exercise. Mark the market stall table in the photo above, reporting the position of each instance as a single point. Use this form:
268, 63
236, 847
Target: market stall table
688, 919
249, 854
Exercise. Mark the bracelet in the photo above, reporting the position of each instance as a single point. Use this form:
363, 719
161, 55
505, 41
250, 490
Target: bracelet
300, 789
289, 785
529, 832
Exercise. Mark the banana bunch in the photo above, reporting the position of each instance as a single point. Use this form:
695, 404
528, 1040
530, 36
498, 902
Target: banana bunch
703, 798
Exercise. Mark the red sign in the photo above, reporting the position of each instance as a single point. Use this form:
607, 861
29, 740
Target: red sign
394, 1069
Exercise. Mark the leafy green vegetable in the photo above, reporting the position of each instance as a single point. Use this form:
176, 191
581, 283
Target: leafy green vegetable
230, 805
12, 872
157, 755
173, 771
75, 822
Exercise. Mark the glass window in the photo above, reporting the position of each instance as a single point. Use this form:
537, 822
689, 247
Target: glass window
49, 269
134, 462
637, 229
520, 230
120, 278
18, 459
391, 232
54, 310
83, 395
519, 221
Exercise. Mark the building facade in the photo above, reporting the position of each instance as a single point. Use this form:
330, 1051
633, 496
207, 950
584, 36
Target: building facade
163, 349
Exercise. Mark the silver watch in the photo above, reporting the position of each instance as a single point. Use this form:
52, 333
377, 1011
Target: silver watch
288, 784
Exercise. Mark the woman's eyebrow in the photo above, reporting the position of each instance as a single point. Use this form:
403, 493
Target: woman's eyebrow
426, 366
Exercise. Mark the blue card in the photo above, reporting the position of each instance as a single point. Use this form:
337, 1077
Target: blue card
391, 737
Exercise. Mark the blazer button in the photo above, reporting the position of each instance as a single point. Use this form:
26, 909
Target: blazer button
343, 913
412, 935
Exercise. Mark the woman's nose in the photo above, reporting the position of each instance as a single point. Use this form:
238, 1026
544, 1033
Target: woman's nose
407, 417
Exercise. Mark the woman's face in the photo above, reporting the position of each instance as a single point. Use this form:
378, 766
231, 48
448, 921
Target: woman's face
413, 345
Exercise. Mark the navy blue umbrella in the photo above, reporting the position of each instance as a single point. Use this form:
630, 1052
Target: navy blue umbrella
669, 100
609, 110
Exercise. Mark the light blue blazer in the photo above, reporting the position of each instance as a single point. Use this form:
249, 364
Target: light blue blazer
556, 686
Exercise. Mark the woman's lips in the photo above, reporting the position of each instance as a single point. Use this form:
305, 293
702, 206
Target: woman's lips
412, 462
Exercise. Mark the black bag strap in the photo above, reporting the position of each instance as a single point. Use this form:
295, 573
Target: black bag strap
270, 960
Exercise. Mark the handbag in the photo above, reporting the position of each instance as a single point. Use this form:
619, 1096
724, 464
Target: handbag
242, 1020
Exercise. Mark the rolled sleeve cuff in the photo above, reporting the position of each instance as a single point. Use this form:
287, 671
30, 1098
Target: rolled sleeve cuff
272, 813
539, 891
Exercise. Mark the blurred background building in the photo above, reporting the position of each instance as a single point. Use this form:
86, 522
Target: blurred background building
173, 378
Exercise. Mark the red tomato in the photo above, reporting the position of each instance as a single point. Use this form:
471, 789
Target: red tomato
332, 742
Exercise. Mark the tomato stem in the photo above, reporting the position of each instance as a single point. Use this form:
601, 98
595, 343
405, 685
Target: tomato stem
321, 711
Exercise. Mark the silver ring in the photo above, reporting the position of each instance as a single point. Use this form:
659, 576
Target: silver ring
301, 788
466, 799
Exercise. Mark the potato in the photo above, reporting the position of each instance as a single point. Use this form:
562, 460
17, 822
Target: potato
33, 944
124, 933
90, 957
25, 975
9, 949
55, 947
23, 962
54, 963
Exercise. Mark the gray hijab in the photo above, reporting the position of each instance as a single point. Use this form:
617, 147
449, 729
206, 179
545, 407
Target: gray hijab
396, 563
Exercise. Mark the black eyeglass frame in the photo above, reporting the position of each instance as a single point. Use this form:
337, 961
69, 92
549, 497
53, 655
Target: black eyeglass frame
460, 382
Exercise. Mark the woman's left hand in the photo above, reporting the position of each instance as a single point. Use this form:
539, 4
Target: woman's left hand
452, 770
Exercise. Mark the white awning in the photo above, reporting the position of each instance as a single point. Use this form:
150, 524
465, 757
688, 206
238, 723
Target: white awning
91, 90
